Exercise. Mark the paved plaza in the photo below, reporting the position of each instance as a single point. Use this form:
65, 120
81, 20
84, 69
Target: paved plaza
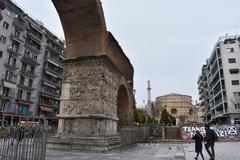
224, 151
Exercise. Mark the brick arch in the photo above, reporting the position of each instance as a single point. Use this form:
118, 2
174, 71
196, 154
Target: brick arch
97, 83
123, 106
84, 26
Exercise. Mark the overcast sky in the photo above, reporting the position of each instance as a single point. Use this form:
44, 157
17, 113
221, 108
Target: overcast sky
167, 41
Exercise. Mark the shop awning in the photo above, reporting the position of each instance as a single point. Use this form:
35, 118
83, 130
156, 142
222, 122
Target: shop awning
46, 109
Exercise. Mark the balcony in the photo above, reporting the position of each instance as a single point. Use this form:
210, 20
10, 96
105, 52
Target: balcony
16, 38
28, 88
55, 70
32, 48
10, 65
219, 113
8, 107
35, 37
54, 49
29, 59
28, 73
56, 61
26, 101
49, 104
8, 94
20, 24
51, 91
14, 51
11, 79
52, 82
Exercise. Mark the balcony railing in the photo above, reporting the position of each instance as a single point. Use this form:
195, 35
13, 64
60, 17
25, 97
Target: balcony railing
26, 100
29, 88
30, 60
53, 82
16, 38
35, 37
57, 71
9, 108
15, 52
219, 113
33, 48
12, 79
58, 60
54, 49
52, 105
51, 91
9, 94
28, 73
20, 24
10, 65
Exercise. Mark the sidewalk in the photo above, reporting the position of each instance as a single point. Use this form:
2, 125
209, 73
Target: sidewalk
140, 152
151, 151
223, 151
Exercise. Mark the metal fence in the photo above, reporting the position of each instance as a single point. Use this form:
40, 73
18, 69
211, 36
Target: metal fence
23, 143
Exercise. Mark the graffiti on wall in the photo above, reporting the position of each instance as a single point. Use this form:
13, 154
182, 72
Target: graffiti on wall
227, 131
156, 132
189, 131
223, 131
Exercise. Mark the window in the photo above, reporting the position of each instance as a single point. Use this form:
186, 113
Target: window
173, 111
22, 79
236, 94
230, 50
28, 98
11, 60
15, 46
234, 71
237, 106
24, 66
3, 39
8, 12
1, 53
32, 69
9, 76
231, 60
17, 33
5, 25
235, 82
6, 91
20, 93
30, 82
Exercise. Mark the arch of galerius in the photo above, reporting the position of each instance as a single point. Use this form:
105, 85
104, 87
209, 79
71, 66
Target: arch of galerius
97, 90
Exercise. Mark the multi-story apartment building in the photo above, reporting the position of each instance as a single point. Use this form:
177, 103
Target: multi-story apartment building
31, 71
219, 86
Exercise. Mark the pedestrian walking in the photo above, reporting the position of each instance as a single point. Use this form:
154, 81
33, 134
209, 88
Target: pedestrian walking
210, 139
198, 144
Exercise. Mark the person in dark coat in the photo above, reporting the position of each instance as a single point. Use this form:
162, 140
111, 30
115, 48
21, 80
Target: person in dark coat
198, 144
209, 141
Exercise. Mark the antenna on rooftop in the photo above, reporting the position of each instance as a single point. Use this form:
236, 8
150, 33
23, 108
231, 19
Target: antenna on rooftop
235, 30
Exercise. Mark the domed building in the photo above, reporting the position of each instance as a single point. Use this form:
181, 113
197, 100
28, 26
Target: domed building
179, 106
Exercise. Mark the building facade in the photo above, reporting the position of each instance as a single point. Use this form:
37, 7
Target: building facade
179, 106
31, 71
219, 86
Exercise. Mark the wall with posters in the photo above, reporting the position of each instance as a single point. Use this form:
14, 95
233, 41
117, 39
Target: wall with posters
224, 132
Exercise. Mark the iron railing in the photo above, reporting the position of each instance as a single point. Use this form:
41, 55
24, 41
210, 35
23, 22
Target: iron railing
23, 143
